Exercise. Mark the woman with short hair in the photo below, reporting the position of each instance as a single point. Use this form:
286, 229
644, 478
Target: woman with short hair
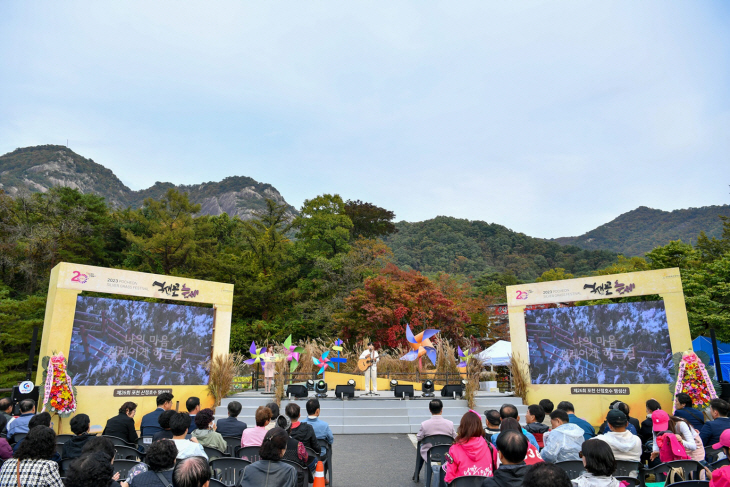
160, 460
122, 425
32, 465
270, 471
205, 431
91, 470
255, 436
600, 464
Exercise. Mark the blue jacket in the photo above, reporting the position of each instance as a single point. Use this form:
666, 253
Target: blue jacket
230, 427
321, 430
530, 437
19, 425
710, 432
589, 432
694, 417
150, 424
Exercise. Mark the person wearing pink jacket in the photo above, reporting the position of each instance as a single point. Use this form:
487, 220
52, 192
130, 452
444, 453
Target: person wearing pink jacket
470, 454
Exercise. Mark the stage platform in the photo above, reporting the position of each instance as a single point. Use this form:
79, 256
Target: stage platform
374, 414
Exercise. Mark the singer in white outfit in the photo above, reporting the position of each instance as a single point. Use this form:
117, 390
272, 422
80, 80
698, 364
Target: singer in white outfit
372, 373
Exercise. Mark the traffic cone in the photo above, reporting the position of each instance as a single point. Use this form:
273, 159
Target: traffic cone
319, 475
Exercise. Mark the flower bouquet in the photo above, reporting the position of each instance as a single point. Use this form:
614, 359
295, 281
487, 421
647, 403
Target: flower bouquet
59, 394
693, 379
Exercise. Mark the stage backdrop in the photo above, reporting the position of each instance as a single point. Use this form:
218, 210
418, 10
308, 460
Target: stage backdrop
120, 350
592, 355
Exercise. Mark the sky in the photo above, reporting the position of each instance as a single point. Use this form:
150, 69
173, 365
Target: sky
550, 118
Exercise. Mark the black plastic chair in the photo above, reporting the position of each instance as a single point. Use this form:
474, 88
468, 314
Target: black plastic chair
17, 437
467, 481
624, 468
631, 481
213, 453
688, 466
119, 442
216, 483
302, 472
711, 454
144, 442
574, 468
692, 483
720, 463
63, 438
311, 453
229, 470
433, 440
233, 442
123, 467
127, 453
250, 453
436, 454
59, 448
328, 458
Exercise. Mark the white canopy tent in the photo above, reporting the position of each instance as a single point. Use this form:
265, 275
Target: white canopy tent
497, 354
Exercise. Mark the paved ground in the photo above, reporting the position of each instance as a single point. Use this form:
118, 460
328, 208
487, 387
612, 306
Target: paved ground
374, 460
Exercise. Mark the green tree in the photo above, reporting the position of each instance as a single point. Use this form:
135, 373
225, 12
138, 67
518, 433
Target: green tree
368, 220
323, 228
557, 274
18, 316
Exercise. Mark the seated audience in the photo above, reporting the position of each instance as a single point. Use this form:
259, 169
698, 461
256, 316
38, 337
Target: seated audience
510, 411
41, 419
191, 472
625, 446
632, 425
711, 431
588, 431
470, 454
6, 415
721, 476
193, 407
205, 431
274, 415
646, 429
32, 465
547, 406
295, 451
437, 425
122, 425
80, 425
100, 444
493, 423
150, 421
321, 428
534, 419
91, 470
160, 459
512, 446
565, 439
663, 422
546, 475
302, 432
20, 424
164, 421
231, 426
185, 448
683, 408
255, 436
270, 471
600, 465
533, 453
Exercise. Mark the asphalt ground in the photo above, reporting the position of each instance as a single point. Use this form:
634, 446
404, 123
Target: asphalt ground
375, 460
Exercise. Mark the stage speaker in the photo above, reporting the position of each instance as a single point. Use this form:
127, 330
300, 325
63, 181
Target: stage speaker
22, 392
452, 390
347, 391
404, 390
297, 390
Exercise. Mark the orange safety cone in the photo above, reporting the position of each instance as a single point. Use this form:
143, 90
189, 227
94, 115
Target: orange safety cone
319, 475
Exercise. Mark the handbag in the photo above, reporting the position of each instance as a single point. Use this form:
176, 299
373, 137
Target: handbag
674, 475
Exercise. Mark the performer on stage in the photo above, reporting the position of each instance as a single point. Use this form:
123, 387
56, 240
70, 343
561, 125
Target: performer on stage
371, 373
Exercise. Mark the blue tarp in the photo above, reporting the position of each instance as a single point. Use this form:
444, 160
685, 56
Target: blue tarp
705, 344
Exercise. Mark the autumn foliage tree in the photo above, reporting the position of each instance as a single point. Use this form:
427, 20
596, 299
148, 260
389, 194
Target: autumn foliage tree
393, 298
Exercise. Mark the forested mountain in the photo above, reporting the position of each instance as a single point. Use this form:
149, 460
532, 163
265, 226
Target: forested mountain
459, 246
37, 169
642, 229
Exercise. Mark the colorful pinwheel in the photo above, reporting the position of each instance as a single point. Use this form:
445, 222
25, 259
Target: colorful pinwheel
292, 354
465, 356
421, 345
337, 347
256, 355
323, 362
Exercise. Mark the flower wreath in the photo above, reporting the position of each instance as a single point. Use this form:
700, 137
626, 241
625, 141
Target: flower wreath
58, 392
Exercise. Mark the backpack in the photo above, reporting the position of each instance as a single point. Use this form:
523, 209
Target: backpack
674, 475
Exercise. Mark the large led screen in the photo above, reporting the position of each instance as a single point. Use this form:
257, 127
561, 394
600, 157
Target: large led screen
623, 343
120, 342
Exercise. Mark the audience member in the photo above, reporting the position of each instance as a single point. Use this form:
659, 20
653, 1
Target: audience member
565, 439
470, 454
662, 422
160, 459
533, 453
534, 423
6, 415
632, 425
588, 431
510, 411
646, 430
150, 421
295, 451
437, 425
164, 421
546, 475
122, 425
191, 472
6, 451
321, 429
711, 431
600, 465
32, 464
90, 470
274, 415
270, 471
193, 406
20, 424
205, 431
185, 448
302, 432
683, 408
40, 419
493, 422
102, 445
625, 446
512, 446
80, 425
231, 426
547, 406
721, 476
255, 436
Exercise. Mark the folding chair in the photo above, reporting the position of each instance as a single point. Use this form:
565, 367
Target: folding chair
574, 468
229, 470
250, 453
467, 481
213, 453
328, 458
433, 440
123, 467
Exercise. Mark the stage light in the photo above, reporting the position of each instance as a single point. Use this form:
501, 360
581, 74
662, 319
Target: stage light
321, 388
463, 383
310, 385
427, 388
351, 382
393, 383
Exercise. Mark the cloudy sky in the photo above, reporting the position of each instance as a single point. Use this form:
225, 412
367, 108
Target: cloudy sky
548, 117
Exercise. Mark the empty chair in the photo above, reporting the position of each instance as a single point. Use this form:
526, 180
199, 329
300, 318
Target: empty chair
574, 468
467, 481
250, 453
229, 470
625, 468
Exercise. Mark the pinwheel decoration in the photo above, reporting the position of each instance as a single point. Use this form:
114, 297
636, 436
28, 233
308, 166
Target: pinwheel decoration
421, 345
256, 355
292, 354
465, 356
337, 347
323, 362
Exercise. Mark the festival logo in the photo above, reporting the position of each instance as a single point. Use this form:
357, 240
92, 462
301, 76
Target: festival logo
80, 277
